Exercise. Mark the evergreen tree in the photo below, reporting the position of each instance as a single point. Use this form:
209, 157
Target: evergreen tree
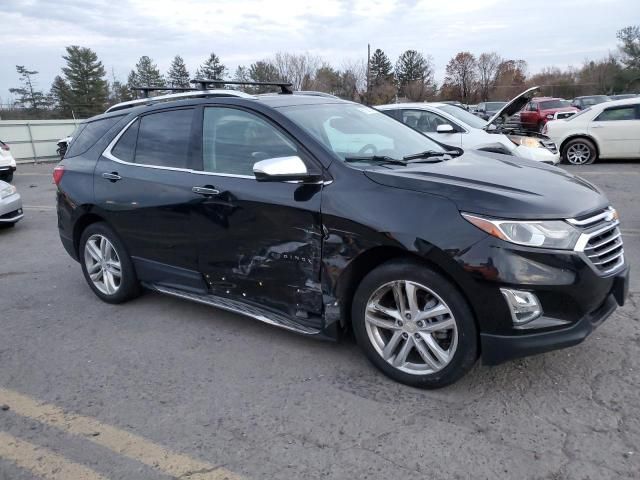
61, 96
146, 74
263, 71
84, 74
212, 69
178, 75
414, 74
29, 97
380, 68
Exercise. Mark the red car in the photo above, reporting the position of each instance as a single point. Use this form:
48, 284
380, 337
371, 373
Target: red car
540, 110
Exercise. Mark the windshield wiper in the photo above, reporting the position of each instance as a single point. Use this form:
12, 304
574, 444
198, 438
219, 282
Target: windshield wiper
375, 158
430, 154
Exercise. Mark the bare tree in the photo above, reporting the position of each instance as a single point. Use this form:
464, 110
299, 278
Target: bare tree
461, 75
488, 64
299, 69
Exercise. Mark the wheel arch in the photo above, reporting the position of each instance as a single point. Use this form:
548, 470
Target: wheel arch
368, 260
81, 225
575, 136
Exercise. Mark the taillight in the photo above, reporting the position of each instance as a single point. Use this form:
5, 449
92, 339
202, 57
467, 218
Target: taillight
58, 172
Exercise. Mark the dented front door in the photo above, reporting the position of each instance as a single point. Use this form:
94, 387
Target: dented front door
261, 242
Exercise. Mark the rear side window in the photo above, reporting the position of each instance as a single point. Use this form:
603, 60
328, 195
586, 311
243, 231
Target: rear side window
125, 149
619, 113
164, 138
89, 134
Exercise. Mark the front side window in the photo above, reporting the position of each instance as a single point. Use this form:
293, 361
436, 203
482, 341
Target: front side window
422, 120
614, 114
234, 140
351, 130
164, 138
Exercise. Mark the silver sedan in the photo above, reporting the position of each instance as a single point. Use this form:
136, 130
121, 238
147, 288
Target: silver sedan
10, 205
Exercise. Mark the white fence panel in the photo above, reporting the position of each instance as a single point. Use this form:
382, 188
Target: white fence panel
35, 140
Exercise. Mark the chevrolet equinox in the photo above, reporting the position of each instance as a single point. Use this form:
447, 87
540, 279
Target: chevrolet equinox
321, 215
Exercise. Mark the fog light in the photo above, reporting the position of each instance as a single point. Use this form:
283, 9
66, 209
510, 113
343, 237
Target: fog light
524, 306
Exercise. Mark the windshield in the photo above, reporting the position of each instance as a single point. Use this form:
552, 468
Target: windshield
351, 130
464, 116
494, 106
551, 104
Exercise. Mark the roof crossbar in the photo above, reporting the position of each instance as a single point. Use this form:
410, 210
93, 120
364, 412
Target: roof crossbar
285, 87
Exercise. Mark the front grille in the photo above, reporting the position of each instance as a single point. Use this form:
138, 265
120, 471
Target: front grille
549, 145
563, 115
601, 242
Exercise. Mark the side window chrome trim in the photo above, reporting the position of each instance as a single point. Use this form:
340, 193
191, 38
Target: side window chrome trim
108, 154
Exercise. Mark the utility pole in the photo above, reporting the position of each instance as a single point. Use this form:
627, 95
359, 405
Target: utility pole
368, 96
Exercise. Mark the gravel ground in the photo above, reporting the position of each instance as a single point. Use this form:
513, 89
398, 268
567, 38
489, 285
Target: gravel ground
257, 402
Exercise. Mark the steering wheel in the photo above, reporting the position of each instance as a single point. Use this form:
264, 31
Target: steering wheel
368, 146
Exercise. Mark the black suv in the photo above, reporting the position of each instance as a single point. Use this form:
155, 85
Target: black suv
320, 215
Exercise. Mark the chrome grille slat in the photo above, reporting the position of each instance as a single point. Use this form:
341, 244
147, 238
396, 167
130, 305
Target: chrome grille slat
601, 242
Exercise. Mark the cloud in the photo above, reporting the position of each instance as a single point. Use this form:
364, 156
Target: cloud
543, 32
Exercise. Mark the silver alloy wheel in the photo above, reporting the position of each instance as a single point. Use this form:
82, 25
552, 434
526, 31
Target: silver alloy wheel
103, 264
411, 327
578, 153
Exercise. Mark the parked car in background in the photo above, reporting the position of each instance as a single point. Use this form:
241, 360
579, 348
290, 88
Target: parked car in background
623, 96
456, 127
589, 101
606, 130
10, 205
540, 110
456, 104
7, 163
486, 110
63, 145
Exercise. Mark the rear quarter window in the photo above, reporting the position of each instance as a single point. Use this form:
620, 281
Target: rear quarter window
88, 134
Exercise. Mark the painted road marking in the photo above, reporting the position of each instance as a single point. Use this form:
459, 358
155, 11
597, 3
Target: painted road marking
43, 462
38, 207
124, 443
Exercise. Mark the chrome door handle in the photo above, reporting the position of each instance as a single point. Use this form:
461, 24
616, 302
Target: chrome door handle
205, 191
113, 176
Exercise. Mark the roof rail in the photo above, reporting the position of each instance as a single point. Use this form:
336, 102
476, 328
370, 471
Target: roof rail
187, 93
285, 87
313, 93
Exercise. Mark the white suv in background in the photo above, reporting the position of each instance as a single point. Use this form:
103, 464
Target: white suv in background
7, 163
456, 127
606, 130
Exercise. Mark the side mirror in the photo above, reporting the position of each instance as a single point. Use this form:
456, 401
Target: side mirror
445, 128
282, 169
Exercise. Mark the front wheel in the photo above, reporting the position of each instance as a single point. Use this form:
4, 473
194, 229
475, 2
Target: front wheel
106, 264
8, 177
414, 325
579, 151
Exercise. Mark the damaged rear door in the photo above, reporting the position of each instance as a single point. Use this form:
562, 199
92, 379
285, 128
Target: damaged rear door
258, 242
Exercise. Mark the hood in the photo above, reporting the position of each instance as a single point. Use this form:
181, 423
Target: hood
514, 106
499, 186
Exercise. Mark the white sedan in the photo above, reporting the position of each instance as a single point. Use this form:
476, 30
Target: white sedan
7, 163
606, 130
455, 126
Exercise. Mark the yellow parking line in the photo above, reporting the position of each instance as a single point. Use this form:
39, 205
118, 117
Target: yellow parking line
124, 443
43, 462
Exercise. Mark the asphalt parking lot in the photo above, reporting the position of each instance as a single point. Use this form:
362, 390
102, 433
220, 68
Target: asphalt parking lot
161, 388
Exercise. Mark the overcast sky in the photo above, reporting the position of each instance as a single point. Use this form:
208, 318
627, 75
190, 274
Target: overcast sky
544, 32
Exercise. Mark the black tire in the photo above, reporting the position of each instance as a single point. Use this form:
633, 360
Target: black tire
8, 177
129, 286
4, 226
583, 144
466, 353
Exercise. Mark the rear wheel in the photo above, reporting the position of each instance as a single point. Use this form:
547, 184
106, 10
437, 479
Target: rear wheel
579, 151
106, 264
414, 325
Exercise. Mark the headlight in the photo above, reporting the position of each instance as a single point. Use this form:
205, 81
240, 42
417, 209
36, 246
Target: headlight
525, 141
8, 190
544, 233
550, 117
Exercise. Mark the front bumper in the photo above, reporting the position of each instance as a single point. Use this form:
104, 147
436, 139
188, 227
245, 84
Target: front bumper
11, 209
497, 349
7, 168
